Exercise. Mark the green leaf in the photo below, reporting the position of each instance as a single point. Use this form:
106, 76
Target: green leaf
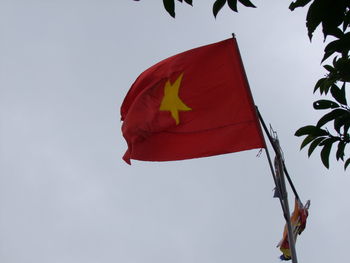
340, 45
346, 126
343, 68
330, 49
334, 61
332, 31
325, 104
326, 150
314, 144
306, 141
341, 120
306, 130
340, 151
346, 164
217, 6
333, 16
247, 3
319, 84
169, 6
329, 140
186, 1
337, 113
311, 130
314, 16
329, 68
233, 5
298, 3
326, 85
339, 94
346, 21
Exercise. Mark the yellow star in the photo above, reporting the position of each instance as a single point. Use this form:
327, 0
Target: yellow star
171, 101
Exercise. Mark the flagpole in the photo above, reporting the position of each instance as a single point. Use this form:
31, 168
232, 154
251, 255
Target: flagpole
256, 115
283, 190
281, 187
276, 150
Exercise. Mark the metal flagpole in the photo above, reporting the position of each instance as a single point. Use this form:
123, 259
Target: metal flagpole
286, 206
280, 184
279, 167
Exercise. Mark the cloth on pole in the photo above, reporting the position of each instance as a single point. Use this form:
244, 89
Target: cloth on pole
298, 221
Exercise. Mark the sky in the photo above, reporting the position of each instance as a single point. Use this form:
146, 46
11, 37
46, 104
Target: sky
66, 196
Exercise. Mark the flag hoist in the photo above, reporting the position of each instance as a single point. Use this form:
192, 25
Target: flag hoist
197, 104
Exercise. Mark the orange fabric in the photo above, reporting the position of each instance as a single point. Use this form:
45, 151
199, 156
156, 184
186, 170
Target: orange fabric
298, 221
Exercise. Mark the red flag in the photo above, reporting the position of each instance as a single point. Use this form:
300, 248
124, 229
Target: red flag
194, 104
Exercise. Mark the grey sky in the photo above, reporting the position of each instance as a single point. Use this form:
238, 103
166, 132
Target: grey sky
66, 196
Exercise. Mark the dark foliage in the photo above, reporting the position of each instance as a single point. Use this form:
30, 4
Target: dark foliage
332, 129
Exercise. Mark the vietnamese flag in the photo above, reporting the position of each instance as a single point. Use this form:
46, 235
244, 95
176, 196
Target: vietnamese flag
194, 104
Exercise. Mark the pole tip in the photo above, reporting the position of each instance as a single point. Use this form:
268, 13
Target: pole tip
233, 35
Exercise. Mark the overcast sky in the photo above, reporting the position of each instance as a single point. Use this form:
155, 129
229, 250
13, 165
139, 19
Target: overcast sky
66, 196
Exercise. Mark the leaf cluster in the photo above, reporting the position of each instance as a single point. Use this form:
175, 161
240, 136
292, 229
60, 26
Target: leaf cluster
219, 4
319, 135
334, 18
169, 5
328, 13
